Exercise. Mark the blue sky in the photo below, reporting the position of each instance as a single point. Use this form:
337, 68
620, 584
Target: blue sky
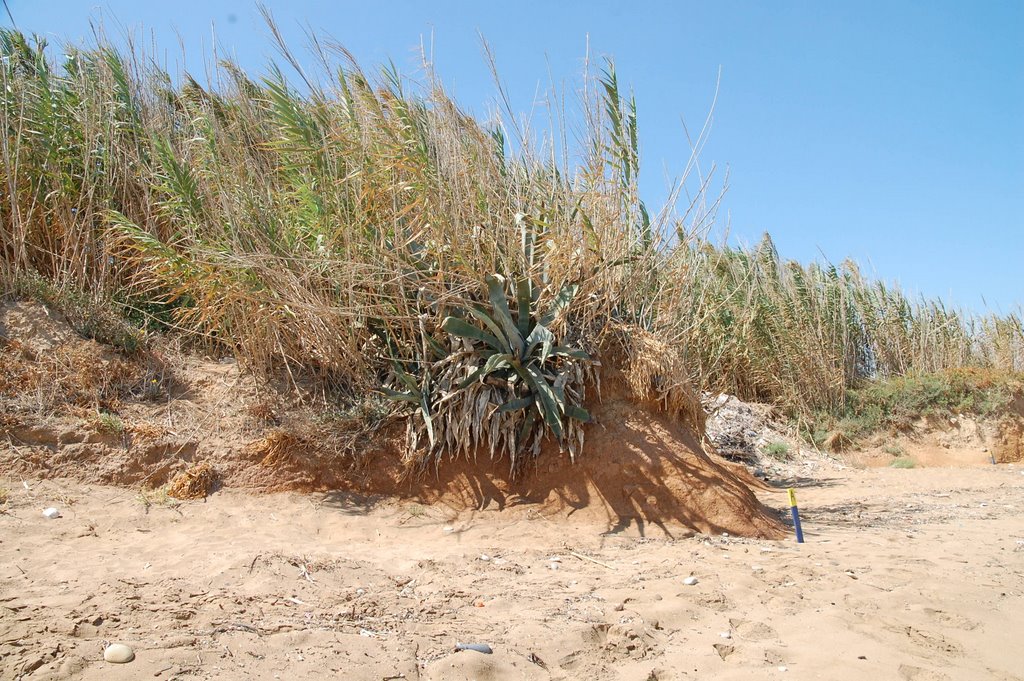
889, 132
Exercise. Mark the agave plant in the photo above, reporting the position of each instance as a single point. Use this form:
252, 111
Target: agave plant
519, 352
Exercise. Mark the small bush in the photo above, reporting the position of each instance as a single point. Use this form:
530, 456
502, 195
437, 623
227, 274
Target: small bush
109, 423
894, 450
903, 462
777, 450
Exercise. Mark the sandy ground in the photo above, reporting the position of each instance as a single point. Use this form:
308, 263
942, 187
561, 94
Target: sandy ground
906, 574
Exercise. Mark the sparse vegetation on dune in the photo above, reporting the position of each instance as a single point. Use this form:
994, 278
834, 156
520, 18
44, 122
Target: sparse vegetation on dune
360, 234
803, 337
897, 403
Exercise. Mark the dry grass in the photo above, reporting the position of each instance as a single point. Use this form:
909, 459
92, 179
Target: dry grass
194, 483
78, 377
324, 226
280, 447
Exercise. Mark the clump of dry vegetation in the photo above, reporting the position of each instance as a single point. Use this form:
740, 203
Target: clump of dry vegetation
358, 233
82, 377
196, 482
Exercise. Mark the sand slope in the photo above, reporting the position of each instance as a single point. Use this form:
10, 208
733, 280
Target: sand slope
907, 574
63, 415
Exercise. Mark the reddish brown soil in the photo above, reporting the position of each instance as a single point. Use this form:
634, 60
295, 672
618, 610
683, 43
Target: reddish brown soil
640, 467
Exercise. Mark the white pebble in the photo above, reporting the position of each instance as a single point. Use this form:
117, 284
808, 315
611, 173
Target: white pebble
783, 668
690, 581
726, 634
118, 653
484, 557
51, 513
553, 566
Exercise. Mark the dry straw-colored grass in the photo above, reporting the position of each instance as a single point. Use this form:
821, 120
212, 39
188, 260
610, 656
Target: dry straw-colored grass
323, 225
196, 482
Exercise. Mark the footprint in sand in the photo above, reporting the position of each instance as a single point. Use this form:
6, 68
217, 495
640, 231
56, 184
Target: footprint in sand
953, 620
752, 631
912, 673
934, 642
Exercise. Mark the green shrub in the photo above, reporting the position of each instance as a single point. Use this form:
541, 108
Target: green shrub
777, 450
109, 423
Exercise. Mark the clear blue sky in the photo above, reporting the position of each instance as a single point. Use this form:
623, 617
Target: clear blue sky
891, 132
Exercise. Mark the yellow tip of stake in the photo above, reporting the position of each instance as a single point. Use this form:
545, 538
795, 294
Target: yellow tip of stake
792, 496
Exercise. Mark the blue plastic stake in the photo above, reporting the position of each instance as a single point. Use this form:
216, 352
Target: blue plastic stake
796, 516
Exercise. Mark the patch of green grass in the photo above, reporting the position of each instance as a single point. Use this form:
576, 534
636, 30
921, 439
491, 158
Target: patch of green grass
157, 497
903, 462
109, 423
778, 450
894, 450
969, 391
896, 403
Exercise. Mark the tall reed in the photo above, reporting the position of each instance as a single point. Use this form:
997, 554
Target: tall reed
325, 226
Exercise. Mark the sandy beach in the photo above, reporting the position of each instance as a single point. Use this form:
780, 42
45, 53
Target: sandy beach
905, 574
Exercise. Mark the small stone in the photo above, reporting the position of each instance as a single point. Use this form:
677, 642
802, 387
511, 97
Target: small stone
783, 668
690, 581
51, 513
118, 653
484, 557
726, 634
724, 650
